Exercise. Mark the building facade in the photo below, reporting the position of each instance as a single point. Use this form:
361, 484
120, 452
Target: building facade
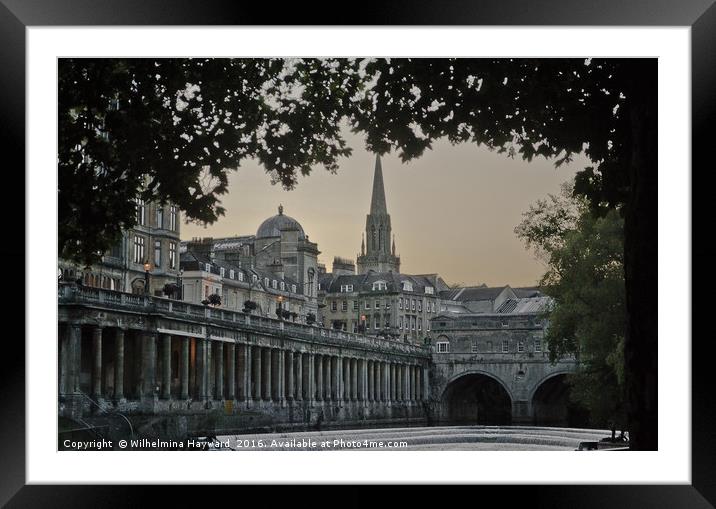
278, 261
152, 244
377, 252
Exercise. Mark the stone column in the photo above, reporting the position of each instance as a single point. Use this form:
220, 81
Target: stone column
149, 362
327, 377
257, 373
97, 362
371, 381
418, 387
290, 387
230, 371
414, 384
248, 375
241, 359
219, 371
426, 384
391, 384
376, 381
184, 378
319, 377
298, 359
166, 366
346, 379
335, 377
119, 364
266, 368
310, 379
201, 368
354, 379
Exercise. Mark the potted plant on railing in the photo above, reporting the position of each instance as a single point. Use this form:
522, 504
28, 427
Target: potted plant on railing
294, 316
215, 299
285, 314
311, 318
249, 306
170, 289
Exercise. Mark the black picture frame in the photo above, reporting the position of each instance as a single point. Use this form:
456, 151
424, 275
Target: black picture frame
16, 15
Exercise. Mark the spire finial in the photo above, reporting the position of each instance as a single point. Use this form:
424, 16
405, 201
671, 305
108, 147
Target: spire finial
393, 244
280, 209
377, 201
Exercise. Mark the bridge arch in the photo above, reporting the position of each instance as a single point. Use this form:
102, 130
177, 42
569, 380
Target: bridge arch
476, 397
550, 404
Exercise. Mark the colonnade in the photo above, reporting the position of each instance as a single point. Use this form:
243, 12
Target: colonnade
114, 363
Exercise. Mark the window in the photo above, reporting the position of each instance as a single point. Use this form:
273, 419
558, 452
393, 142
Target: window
505, 346
157, 253
420, 305
489, 346
428, 325
222, 271
355, 305
505, 323
412, 322
387, 321
443, 347
379, 285
520, 346
412, 304
433, 307
420, 324
255, 278
141, 212
387, 304
266, 282
376, 304
172, 255
274, 284
138, 249
344, 305
283, 286
367, 304
346, 288
474, 348
173, 213
407, 286
334, 306
160, 217
429, 290
376, 322
207, 267
241, 276
293, 288
538, 345
231, 274
400, 322
400, 303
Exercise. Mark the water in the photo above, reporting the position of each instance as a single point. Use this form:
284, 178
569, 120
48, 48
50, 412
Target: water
442, 438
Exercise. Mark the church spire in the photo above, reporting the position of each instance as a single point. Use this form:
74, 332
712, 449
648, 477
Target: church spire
377, 201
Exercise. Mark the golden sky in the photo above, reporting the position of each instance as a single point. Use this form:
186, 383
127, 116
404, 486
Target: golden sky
453, 211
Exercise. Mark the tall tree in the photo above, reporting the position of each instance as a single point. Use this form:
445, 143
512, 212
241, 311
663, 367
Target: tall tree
173, 113
585, 276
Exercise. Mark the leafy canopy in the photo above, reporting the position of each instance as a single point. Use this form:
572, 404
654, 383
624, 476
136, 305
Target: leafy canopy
585, 277
170, 130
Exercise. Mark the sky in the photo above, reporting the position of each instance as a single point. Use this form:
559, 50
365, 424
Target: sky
453, 210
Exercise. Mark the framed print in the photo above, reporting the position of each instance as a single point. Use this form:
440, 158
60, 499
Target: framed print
486, 274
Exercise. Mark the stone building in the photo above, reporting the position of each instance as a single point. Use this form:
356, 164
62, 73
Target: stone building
202, 277
384, 304
153, 243
377, 253
279, 254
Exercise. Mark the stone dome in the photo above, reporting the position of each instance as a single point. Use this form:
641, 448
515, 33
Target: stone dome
272, 226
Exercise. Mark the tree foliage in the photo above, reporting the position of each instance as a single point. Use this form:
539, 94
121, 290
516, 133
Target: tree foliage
585, 277
172, 129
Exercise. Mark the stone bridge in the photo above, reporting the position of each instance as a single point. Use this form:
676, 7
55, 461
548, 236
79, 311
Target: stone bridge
133, 364
511, 381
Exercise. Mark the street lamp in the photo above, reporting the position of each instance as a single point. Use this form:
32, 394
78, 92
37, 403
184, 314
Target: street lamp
280, 308
180, 288
147, 266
